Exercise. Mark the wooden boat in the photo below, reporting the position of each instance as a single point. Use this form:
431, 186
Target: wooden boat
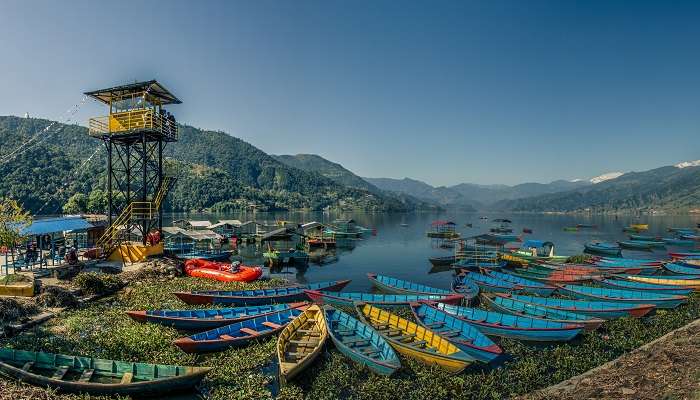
240, 333
603, 248
682, 269
635, 245
465, 336
201, 268
301, 342
285, 294
512, 326
692, 283
640, 227
400, 286
466, 287
445, 260
644, 238
624, 283
556, 277
413, 340
515, 307
360, 342
528, 286
623, 296
600, 309
204, 319
486, 283
571, 229
349, 298
678, 242
619, 261
289, 256
587, 226
97, 376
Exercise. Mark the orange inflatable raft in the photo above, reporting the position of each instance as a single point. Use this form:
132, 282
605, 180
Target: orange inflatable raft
200, 268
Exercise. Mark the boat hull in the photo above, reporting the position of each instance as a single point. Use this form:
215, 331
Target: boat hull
295, 295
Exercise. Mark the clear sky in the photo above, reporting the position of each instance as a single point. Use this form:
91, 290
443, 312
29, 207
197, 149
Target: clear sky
446, 92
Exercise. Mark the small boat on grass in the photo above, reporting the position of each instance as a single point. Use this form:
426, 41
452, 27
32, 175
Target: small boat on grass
349, 298
97, 376
285, 294
360, 342
600, 309
529, 286
400, 286
467, 337
623, 283
301, 342
512, 326
603, 248
515, 307
204, 319
622, 296
413, 340
668, 280
240, 333
682, 269
444, 260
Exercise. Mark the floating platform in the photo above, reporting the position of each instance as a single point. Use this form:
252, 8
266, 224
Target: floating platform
136, 252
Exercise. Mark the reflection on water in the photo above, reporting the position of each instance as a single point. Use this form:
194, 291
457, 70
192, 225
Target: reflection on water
401, 248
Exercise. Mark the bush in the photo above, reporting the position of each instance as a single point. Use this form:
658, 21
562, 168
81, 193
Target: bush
94, 283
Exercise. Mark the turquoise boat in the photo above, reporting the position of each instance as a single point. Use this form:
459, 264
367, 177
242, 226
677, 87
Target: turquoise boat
643, 286
628, 261
463, 335
361, 343
603, 248
465, 287
512, 326
635, 245
487, 283
349, 299
529, 286
644, 238
678, 242
400, 286
285, 294
623, 296
515, 307
600, 309
681, 270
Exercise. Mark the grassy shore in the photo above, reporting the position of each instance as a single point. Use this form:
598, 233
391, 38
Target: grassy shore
103, 330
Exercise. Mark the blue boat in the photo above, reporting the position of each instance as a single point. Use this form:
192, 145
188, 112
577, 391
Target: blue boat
400, 286
603, 248
361, 343
285, 294
643, 286
238, 334
681, 270
516, 307
678, 242
486, 283
512, 326
644, 238
465, 336
623, 296
204, 319
628, 261
528, 285
465, 287
600, 309
349, 298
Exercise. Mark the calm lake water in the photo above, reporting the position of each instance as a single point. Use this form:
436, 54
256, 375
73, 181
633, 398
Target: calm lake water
403, 252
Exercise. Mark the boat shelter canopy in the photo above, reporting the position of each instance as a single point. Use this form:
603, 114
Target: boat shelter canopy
275, 233
198, 235
56, 225
224, 222
153, 88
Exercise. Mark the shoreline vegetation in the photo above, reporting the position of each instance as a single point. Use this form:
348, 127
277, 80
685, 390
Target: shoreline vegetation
102, 329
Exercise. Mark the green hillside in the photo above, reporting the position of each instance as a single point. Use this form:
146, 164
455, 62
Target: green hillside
216, 171
329, 169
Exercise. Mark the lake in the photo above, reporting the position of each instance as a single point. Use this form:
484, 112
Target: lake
403, 252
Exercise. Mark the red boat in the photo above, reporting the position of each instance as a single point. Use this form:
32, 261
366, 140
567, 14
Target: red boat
200, 268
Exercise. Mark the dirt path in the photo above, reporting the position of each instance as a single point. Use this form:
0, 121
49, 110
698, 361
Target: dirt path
667, 368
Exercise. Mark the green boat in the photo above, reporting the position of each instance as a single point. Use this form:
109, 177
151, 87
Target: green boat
291, 256
97, 376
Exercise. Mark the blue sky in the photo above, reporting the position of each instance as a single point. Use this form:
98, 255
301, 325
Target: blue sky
446, 92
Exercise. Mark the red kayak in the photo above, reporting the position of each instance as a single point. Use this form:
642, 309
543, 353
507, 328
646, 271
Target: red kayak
200, 268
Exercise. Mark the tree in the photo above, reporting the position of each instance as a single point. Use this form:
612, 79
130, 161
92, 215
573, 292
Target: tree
12, 220
97, 201
76, 204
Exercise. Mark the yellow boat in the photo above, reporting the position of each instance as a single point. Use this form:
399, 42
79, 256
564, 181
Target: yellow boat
413, 340
300, 342
640, 227
690, 283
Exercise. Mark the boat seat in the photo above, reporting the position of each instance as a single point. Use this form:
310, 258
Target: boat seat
60, 373
305, 342
86, 375
309, 332
27, 366
226, 337
369, 351
404, 337
296, 355
391, 332
218, 317
418, 343
127, 378
381, 326
271, 325
345, 332
251, 332
356, 342
435, 325
421, 315
451, 333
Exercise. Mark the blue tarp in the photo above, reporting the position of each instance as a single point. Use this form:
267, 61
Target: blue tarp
56, 225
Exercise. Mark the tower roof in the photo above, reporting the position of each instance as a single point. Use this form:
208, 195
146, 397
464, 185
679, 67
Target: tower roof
154, 89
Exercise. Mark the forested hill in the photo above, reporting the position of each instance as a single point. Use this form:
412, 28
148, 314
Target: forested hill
217, 171
329, 169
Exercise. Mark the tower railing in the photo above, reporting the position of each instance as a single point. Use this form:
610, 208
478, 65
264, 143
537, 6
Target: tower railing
131, 121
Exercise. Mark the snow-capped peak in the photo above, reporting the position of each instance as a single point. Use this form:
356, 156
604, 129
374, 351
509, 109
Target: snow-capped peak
687, 164
606, 177
575, 180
